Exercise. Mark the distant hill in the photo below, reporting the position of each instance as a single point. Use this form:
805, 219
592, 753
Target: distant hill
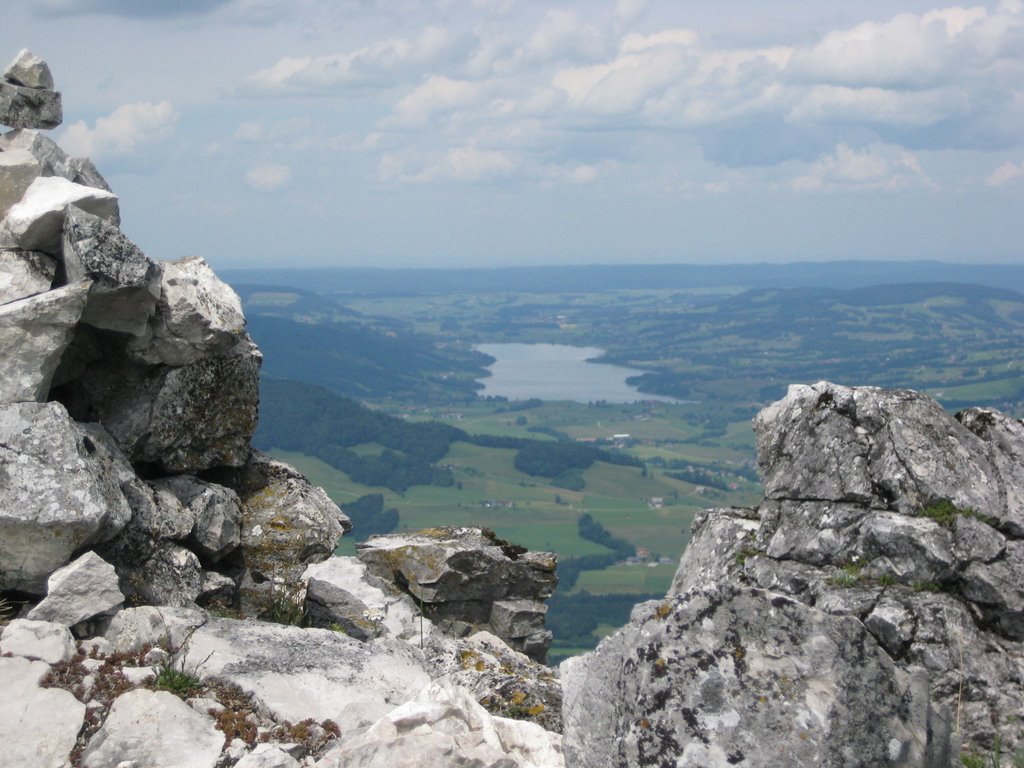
591, 278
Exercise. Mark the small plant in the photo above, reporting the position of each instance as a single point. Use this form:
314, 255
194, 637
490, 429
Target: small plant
375, 618
945, 513
886, 580
927, 586
176, 680
745, 553
286, 605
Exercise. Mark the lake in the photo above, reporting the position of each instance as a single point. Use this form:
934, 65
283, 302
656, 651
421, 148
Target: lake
558, 372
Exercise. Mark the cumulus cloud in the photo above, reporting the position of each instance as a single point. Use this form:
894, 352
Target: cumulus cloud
122, 131
1007, 173
466, 164
437, 94
266, 178
882, 168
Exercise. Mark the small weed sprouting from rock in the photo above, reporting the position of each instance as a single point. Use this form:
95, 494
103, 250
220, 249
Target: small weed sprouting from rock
746, 553
945, 513
927, 586
177, 681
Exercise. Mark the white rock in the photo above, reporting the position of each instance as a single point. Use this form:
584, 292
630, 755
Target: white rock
34, 332
24, 273
267, 756
79, 591
41, 640
35, 222
155, 729
133, 628
197, 314
53, 160
308, 673
18, 169
444, 725
28, 70
38, 726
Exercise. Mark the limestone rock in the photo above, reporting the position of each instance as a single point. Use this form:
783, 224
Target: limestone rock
28, 70
443, 725
125, 284
737, 676
34, 332
215, 511
1004, 437
341, 592
53, 161
287, 523
24, 274
22, 107
18, 169
82, 171
871, 446
171, 575
43, 640
310, 673
459, 573
36, 221
38, 726
180, 419
81, 590
60, 491
154, 728
134, 628
267, 756
197, 315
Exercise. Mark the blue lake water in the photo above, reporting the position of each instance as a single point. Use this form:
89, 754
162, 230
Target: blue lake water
558, 372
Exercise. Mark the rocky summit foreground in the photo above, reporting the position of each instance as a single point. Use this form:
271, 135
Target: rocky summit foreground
868, 613
177, 602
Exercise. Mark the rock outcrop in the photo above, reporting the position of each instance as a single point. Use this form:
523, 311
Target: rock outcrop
889, 540
468, 580
128, 397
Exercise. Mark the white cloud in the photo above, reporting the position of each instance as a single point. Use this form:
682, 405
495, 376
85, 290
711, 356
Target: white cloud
466, 164
1007, 173
877, 168
437, 94
122, 131
266, 178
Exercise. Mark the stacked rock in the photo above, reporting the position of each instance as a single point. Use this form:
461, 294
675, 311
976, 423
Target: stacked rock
128, 396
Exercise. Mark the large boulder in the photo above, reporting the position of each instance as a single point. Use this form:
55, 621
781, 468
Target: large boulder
34, 333
214, 511
467, 577
125, 284
174, 419
737, 676
45, 641
884, 508
81, 590
198, 315
61, 491
35, 223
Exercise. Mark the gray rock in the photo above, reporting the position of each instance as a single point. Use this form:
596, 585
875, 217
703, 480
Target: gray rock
60, 492
444, 726
171, 575
459, 573
81, 590
725, 535
287, 523
24, 274
215, 511
892, 624
42, 640
38, 726
134, 628
216, 588
22, 107
267, 756
341, 592
309, 673
82, 171
997, 590
53, 161
910, 550
18, 169
198, 315
28, 70
735, 676
180, 419
154, 728
871, 446
125, 284
1004, 437
36, 221
34, 332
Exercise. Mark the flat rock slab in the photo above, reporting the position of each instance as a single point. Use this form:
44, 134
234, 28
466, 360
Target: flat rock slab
156, 729
302, 673
38, 726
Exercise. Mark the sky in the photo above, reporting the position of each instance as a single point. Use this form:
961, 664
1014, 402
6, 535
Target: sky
395, 133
